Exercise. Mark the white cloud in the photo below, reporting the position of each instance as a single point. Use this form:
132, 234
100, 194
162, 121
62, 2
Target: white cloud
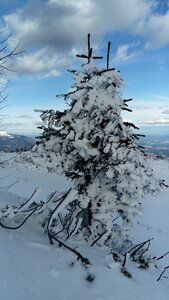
141, 107
41, 62
125, 53
24, 116
160, 98
166, 112
157, 122
14, 124
156, 31
49, 29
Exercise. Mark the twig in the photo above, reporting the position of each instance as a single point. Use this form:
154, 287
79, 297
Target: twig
145, 250
89, 55
6, 160
20, 225
162, 273
25, 205
4, 177
138, 247
108, 54
98, 238
53, 212
85, 261
125, 259
77, 225
127, 100
162, 256
125, 108
103, 71
10, 185
129, 124
89, 49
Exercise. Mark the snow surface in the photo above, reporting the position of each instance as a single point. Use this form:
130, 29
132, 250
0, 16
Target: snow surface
33, 269
5, 134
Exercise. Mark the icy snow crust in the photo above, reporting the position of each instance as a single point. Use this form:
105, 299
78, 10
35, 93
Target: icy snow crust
33, 269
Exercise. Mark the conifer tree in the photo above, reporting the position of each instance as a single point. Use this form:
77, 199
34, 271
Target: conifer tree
91, 145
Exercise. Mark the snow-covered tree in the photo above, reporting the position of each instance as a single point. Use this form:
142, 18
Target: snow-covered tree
91, 145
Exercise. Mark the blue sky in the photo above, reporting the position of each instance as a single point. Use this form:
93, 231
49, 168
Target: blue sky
51, 32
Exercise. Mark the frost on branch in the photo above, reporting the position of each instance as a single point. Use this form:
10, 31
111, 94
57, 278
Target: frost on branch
91, 145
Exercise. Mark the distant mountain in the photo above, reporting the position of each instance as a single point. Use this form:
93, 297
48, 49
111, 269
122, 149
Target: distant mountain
15, 142
156, 144
153, 143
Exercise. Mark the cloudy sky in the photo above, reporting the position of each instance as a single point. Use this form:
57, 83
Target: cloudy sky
51, 32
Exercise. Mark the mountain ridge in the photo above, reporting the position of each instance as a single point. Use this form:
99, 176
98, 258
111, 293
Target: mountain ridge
10, 142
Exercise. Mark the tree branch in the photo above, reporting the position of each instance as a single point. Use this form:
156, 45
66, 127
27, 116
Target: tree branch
162, 273
85, 261
20, 225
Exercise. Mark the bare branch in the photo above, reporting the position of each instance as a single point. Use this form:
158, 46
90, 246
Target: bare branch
108, 54
20, 225
85, 261
162, 256
61, 200
88, 42
162, 273
98, 238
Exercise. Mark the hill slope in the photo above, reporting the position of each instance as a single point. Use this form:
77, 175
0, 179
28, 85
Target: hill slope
12, 142
33, 269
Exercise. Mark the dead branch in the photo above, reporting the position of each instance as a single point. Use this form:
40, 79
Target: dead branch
89, 48
89, 55
162, 256
134, 250
85, 261
22, 223
127, 109
106, 70
10, 185
60, 200
162, 273
97, 57
129, 124
108, 54
138, 247
29, 201
7, 160
82, 56
145, 250
127, 100
76, 226
98, 238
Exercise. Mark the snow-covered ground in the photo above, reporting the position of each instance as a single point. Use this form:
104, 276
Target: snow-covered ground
31, 268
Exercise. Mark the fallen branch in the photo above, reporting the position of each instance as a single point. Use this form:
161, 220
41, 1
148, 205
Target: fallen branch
162, 273
20, 225
135, 249
85, 261
98, 238
30, 200
138, 247
162, 256
54, 212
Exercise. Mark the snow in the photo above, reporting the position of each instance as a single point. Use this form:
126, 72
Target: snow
33, 269
5, 134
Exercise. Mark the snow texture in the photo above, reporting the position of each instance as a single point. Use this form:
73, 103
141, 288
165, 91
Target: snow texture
33, 269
